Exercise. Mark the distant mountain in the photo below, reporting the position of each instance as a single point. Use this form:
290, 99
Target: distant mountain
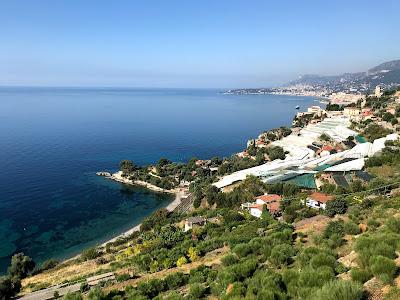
386, 74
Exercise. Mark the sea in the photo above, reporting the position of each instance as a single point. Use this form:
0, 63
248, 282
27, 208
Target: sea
54, 140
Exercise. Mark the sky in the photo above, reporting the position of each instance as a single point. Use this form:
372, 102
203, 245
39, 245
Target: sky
191, 44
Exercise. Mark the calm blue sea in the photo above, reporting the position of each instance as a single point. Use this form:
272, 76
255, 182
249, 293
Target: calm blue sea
53, 140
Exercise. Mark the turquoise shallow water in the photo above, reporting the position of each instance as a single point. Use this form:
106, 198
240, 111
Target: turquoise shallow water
53, 140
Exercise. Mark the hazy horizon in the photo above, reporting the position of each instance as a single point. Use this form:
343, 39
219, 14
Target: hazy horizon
176, 44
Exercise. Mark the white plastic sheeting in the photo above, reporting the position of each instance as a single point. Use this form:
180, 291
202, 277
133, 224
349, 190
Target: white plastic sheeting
353, 165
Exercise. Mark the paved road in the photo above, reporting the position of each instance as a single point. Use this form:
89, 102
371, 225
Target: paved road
47, 294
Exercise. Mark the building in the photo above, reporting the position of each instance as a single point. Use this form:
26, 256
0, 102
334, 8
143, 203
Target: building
351, 111
318, 200
192, 222
378, 91
270, 201
315, 109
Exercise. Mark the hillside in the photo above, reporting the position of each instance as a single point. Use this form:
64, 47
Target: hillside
386, 74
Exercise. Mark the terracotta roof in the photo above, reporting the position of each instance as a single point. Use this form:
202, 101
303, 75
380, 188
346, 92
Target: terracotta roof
260, 206
274, 207
320, 197
269, 198
327, 148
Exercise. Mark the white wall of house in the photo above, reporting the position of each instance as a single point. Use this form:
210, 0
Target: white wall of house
255, 212
259, 201
315, 204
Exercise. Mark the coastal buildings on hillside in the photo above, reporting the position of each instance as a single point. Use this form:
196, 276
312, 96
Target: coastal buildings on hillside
306, 155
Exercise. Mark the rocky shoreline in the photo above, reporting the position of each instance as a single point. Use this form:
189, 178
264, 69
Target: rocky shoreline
119, 178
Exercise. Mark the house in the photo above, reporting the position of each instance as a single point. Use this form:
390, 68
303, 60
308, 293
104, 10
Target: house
325, 150
192, 222
318, 200
351, 111
270, 201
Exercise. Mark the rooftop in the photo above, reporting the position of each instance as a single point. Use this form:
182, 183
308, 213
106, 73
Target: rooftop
320, 197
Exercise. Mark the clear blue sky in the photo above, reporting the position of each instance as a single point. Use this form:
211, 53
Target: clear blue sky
188, 43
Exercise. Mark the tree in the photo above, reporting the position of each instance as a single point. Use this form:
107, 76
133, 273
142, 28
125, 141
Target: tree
193, 254
9, 287
181, 261
336, 206
281, 254
21, 265
196, 291
276, 152
127, 166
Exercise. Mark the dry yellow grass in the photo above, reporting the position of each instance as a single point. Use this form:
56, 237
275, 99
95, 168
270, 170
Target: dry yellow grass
61, 274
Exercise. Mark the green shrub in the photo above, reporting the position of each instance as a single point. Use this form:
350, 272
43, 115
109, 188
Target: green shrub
339, 289
383, 268
351, 228
175, 280
393, 225
336, 206
196, 291
73, 296
242, 250
151, 288
334, 227
323, 259
360, 275
89, 254
229, 259
281, 254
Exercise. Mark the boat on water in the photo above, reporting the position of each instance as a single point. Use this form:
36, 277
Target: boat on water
297, 107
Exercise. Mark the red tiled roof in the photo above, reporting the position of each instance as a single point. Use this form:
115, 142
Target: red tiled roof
269, 198
327, 148
258, 206
320, 197
274, 207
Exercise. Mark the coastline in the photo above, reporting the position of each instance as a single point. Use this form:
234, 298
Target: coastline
119, 178
170, 207
179, 195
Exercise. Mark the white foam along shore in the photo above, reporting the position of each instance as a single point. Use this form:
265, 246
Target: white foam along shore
179, 194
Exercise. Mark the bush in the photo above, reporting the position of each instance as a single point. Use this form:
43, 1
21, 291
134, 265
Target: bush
175, 280
49, 264
196, 291
393, 225
323, 259
383, 268
9, 287
242, 250
351, 228
151, 288
336, 206
281, 254
181, 261
339, 289
73, 296
21, 265
360, 275
89, 254
229, 259
96, 294
334, 227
